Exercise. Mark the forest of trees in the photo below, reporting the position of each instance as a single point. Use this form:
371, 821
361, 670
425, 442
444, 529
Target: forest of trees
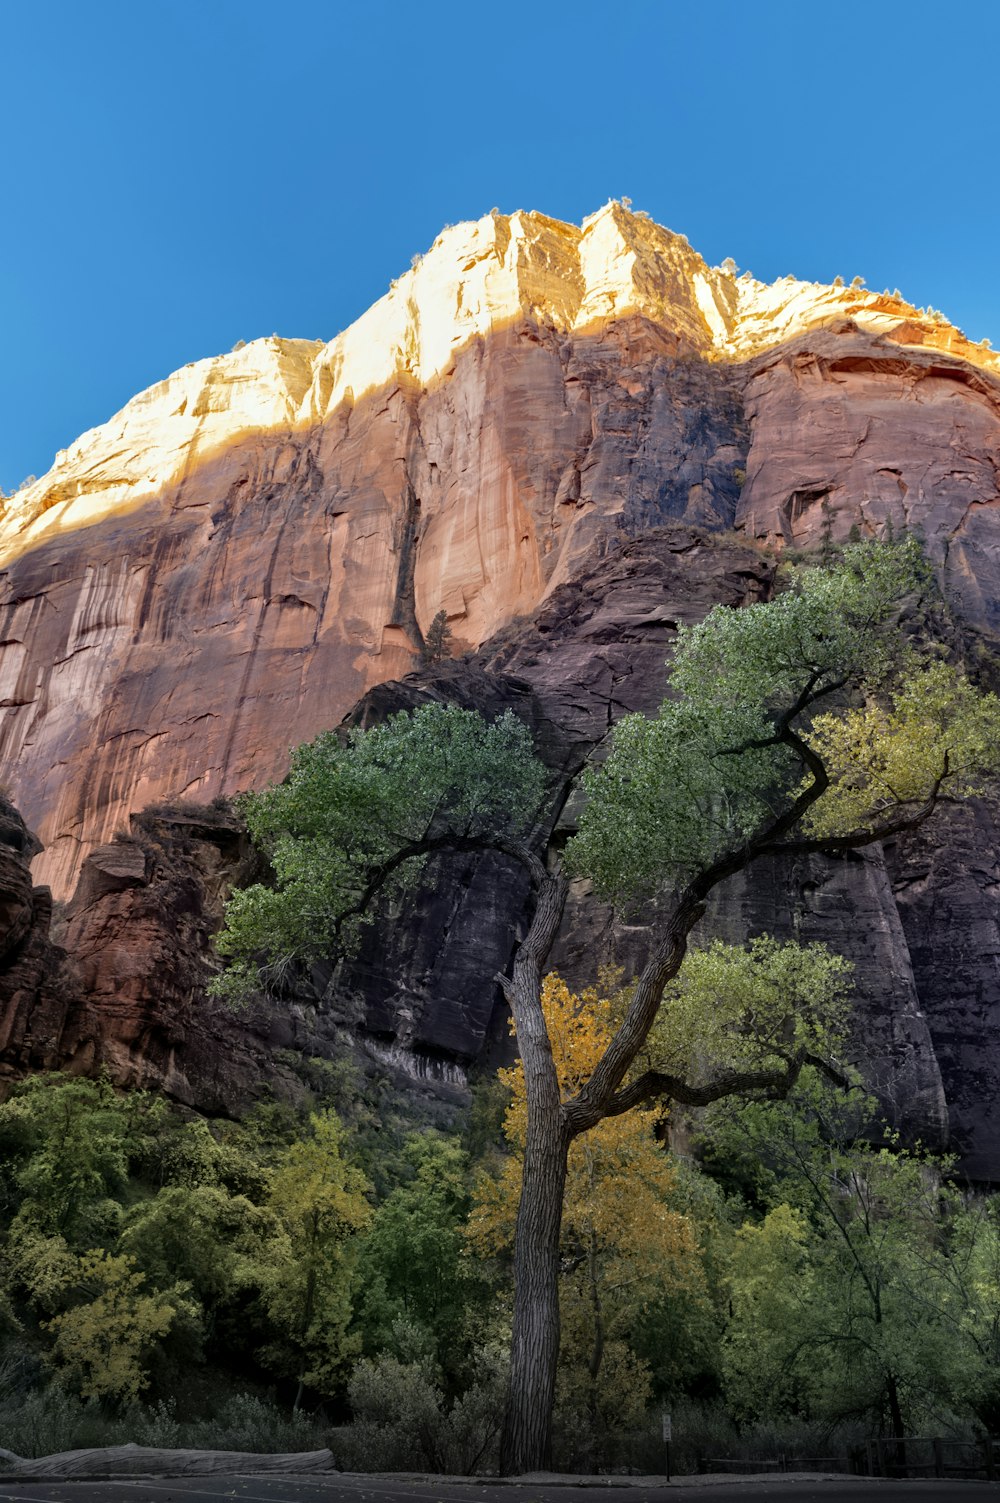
534, 1291
789, 1283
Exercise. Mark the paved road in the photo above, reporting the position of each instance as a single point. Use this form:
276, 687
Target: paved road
388, 1490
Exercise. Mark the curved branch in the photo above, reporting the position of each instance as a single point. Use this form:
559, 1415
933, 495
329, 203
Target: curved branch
808, 696
898, 824
657, 1085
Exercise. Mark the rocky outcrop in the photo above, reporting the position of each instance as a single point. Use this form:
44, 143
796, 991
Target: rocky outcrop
37, 991
123, 989
850, 431
946, 880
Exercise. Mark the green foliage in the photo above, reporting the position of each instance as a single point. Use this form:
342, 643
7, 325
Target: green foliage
215, 1242
713, 767
350, 805
933, 731
320, 1201
71, 1142
771, 1284
739, 1007
411, 1270
858, 1296
103, 1340
136, 1244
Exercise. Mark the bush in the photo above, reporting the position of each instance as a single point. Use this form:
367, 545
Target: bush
47, 1421
397, 1411
247, 1422
400, 1421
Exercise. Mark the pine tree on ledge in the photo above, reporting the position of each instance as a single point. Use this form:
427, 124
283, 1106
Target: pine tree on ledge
437, 643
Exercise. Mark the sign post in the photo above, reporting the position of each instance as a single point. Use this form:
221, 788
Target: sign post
667, 1437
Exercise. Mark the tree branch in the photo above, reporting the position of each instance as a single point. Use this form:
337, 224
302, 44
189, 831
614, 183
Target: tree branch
808, 696
657, 1085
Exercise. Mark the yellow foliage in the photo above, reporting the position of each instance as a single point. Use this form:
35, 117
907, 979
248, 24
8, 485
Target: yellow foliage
101, 1344
936, 731
623, 1245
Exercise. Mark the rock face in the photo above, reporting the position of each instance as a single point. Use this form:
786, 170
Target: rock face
851, 431
226, 566
36, 991
124, 988
549, 432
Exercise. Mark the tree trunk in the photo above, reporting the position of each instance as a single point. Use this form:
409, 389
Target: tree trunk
526, 1440
895, 1408
597, 1350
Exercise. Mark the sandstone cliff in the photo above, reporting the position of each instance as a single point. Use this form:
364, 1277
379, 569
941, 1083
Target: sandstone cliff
278, 525
421, 997
537, 429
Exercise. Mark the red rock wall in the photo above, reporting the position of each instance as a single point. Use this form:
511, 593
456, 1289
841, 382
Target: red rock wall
856, 430
179, 650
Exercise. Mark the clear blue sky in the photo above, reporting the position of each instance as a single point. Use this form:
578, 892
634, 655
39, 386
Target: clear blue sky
179, 174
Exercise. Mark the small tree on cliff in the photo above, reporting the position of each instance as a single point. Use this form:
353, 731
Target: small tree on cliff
744, 761
437, 643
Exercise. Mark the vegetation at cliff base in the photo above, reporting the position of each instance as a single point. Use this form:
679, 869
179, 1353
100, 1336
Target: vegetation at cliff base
802, 1276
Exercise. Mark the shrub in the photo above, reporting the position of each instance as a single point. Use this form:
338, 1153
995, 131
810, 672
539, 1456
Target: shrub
401, 1424
397, 1412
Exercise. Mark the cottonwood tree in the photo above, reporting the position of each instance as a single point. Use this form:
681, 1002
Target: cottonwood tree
320, 1201
623, 1244
866, 1292
802, 724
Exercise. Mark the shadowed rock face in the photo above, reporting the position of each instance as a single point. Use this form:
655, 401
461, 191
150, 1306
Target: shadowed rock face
947, 883
123, 990
37, 993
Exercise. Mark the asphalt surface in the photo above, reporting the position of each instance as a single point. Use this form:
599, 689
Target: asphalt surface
337, 1489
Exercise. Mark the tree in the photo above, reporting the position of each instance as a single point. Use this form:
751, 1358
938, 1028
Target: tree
410, 1268
320, 1200
103, 1340
728, 771
623, 1246
220, 1245
860, 1296
437, 643
71, 1142
356, 817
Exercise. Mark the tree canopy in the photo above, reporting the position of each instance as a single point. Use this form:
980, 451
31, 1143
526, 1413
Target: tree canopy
358, 807
741, 752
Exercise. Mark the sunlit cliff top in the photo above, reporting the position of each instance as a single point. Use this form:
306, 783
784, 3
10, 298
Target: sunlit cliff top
476, 277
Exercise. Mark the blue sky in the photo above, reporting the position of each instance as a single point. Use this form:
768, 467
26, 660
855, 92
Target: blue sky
179, 174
